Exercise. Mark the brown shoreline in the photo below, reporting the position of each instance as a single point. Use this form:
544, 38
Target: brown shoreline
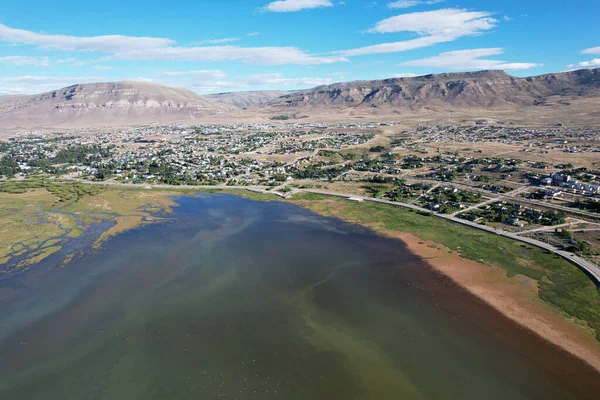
514, 298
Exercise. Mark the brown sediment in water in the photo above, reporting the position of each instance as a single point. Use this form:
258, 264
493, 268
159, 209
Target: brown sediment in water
516, 299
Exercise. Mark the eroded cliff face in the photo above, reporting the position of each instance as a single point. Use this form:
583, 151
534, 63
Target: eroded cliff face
478, 89
106, 104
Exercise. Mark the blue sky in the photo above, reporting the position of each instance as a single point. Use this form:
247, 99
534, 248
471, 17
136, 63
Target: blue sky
228, 45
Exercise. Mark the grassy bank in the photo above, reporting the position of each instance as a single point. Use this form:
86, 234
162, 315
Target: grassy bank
36, 215
560, 283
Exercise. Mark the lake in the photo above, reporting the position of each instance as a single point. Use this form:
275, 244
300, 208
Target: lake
237, 299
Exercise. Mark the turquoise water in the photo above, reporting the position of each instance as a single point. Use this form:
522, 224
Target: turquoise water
236, 299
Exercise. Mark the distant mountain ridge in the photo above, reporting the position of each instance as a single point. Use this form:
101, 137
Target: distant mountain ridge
110, 103
574, 94
484, 89
249, 99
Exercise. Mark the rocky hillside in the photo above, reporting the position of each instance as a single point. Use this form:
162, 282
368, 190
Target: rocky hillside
485, 89
106, 104
250, 99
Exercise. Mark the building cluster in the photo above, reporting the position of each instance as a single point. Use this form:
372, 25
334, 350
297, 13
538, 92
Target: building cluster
513, 214
177, 154
566, 183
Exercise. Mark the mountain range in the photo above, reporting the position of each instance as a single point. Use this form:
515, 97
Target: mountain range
106, 104
250, 99
131, 103
484, 89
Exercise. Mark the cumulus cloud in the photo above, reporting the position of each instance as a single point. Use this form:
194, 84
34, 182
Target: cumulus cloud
25, 60
434, 27
296, 5
593, 50
105, 44
412, 3
469, 60
595, 63
452, 22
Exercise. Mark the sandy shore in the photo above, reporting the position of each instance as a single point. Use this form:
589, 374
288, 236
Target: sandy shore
516, 298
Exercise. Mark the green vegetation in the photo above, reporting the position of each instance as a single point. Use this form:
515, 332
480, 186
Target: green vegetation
507, 212
65, 192
560, 283
37, 215
378, 149
242, 193
317, 172
8, 167
377, 190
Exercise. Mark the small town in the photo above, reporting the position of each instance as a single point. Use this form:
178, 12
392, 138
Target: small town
452, 170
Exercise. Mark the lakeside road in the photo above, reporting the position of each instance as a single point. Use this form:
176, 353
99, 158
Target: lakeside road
590, 269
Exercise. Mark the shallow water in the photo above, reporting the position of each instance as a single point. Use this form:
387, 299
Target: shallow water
237, 299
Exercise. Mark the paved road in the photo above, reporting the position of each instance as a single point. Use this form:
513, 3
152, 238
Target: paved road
513, 196
256, 189
551, 228
592, 270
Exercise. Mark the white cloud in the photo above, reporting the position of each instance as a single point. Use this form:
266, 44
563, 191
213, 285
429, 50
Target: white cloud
25, 60
253, 34
469, 60
33, 84
12, 90
250, 55
105, 44
102, 67
412, 3
220, 41
395, 47
593, 50
215, 87
434, 27
207, 74
255, 81
140, 48
48, 80
404, 75
595, 63
279, 79
296, 5
452, 22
